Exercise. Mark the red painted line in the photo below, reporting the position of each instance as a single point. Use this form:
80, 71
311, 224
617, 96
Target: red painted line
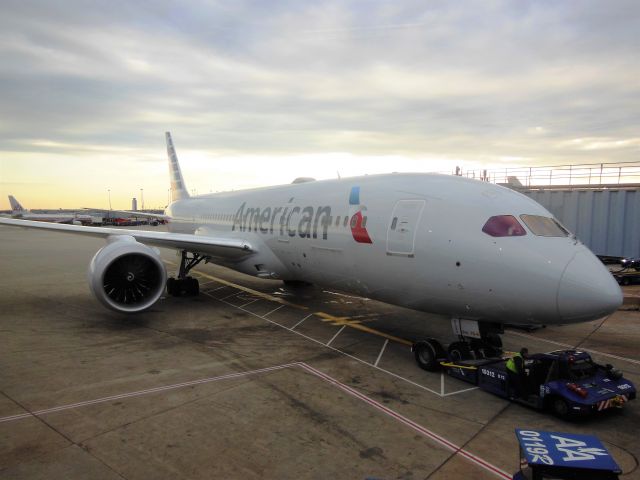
410, 423
317, 373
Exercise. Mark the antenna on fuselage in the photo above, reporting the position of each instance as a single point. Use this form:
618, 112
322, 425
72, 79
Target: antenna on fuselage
178, 187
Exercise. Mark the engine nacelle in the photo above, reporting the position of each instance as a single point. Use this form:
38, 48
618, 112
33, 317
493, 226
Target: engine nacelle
126, 275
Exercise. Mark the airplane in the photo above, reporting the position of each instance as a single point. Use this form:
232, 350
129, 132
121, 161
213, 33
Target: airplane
477, 252
153, 218
18, 211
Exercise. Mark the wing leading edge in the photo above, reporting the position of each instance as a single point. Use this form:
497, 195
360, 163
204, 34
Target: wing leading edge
222, 247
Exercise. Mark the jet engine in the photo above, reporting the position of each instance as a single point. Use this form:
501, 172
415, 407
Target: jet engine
126, 275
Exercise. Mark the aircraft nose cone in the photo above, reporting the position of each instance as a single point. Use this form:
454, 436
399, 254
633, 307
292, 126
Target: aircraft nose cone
587, 290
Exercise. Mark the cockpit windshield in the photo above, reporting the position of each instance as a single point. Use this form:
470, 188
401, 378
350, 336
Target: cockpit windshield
544, 226
503, 226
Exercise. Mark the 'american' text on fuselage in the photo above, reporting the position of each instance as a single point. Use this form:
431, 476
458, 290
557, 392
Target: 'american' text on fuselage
263, 220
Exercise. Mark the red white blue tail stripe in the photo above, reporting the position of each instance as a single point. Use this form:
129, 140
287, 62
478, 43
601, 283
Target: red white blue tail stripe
358, 230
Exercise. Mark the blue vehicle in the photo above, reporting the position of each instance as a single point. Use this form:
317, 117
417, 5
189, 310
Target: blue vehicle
563, 456
566, 382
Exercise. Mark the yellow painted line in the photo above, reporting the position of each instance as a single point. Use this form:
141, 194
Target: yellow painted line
346, 320
362, 328
266, 296
341, 321
337, 320
451, 364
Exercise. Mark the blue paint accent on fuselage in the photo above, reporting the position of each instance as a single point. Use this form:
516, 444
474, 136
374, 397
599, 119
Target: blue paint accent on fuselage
354, 197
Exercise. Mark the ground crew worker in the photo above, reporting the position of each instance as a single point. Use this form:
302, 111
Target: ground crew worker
515, 372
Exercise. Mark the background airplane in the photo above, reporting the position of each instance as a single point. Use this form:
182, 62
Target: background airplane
153, 218
18, 211
477, 252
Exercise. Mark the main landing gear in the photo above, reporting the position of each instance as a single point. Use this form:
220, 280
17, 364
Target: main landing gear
185, 285
476, 340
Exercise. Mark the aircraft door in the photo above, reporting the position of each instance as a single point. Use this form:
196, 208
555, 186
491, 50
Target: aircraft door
403, 225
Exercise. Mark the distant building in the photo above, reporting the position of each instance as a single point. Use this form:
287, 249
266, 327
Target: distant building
134, 204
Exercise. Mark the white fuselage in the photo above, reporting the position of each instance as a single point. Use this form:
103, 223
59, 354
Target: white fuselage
414, 240
52, 217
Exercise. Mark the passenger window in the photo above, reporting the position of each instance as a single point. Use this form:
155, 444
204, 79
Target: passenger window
338, 221
346, 220
394, 223
354, 221
544, 226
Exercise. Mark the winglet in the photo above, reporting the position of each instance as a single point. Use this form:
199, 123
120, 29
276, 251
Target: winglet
15, 204
178, 187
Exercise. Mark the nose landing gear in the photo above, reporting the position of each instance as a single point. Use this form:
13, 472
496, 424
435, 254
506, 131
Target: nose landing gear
477, 340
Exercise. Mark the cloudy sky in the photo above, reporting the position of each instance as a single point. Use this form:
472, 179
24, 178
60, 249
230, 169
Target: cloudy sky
260, 92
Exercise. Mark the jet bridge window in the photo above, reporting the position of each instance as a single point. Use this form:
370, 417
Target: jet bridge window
503, 226
544, 226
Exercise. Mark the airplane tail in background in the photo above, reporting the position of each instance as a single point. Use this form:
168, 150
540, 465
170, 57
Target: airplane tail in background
178, 187
15, 204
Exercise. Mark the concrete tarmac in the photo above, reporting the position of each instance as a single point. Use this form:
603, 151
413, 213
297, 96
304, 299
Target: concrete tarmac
254, 380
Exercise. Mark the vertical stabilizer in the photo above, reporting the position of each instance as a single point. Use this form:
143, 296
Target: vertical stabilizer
178, 187
15, 204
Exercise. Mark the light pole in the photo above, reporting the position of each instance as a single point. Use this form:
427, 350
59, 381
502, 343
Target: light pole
142, 198
109, 191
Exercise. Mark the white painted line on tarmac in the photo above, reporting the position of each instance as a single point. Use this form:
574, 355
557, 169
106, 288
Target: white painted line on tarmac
145, 392
384, 345
232, 295
274, 310
300, 322
252, 301
336, 335
566, 345
216, 289
459, 391
457, 450
311, 339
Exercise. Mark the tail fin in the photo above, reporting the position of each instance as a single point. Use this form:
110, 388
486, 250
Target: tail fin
15, 204
178, 188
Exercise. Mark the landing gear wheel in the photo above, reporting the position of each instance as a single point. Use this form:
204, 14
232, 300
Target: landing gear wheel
179, 287
626, 281
459, 351
560, 408
427, 354
171, 286
192, 286
487, 347
185, 285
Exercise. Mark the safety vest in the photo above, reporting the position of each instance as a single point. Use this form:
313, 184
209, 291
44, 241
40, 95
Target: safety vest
511, 364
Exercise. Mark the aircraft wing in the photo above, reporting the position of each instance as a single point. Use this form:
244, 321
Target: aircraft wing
131, 213
216, 246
